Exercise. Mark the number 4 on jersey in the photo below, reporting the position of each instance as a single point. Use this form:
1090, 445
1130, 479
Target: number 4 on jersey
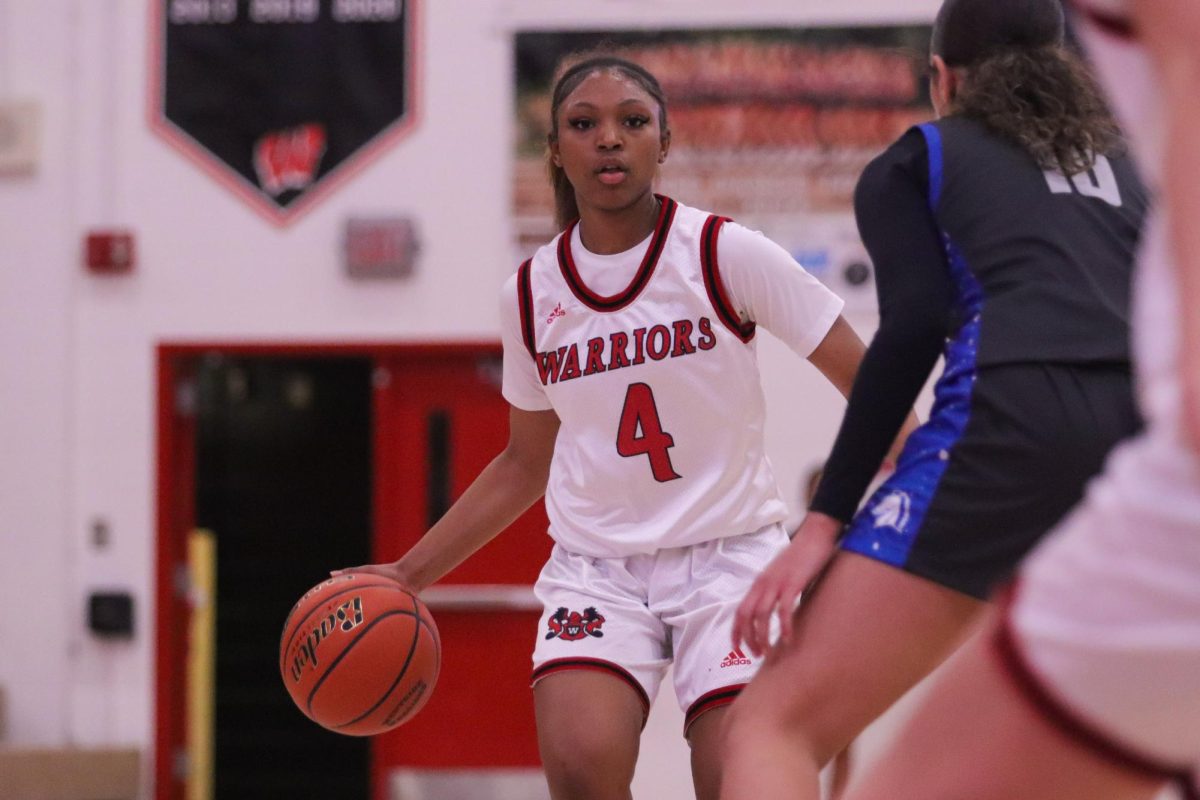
641, 414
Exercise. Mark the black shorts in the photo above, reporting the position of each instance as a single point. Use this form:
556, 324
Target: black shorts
1002, 458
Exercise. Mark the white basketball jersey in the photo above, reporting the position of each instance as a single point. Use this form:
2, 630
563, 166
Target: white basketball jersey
658, 391
1124, 67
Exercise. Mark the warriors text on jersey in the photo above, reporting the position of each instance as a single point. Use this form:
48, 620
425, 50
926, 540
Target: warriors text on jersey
657, 384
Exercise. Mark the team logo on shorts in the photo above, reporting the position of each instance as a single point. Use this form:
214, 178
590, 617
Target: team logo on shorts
893, 511
573, 626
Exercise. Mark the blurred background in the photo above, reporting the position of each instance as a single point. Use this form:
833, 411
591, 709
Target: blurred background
250, 256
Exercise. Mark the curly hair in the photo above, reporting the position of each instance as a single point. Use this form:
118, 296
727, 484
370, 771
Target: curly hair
1045, 100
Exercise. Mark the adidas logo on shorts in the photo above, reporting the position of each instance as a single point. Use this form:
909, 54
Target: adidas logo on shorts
736, 658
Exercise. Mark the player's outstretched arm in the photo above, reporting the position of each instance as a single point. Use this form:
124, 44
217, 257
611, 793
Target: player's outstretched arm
508, 486
1170, 29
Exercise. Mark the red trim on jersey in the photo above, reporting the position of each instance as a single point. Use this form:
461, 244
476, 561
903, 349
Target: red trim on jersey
1112, 24
525, 306
1058, 712
658, 239
712, 280
595, 665
710, 700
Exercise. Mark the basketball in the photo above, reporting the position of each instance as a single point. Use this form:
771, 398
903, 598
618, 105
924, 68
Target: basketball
359, 654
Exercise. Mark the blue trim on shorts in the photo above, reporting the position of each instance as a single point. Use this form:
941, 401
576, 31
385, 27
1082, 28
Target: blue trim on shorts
887, 527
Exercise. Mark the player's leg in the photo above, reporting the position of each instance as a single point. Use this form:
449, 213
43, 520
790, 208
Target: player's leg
706, 741
696, 591
589, 724
964, 506
977, 736
1089, 685
840, 776
599, 659
865, 636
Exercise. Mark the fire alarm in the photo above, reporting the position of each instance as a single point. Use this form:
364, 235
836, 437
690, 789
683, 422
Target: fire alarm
109, 252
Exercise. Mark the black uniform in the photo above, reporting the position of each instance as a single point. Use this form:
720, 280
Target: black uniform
1021, 279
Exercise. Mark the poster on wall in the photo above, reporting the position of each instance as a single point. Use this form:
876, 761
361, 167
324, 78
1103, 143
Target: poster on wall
771, 127
282, 99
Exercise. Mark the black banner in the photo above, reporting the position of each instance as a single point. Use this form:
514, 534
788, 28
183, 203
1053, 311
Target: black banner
283, 94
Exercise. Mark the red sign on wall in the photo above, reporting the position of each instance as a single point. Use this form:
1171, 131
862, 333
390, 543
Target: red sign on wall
282, 99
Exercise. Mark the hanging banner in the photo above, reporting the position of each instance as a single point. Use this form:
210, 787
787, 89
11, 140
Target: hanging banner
280, 99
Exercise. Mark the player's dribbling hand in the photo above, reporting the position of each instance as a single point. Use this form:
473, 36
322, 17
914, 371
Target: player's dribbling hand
777, 589
392, 571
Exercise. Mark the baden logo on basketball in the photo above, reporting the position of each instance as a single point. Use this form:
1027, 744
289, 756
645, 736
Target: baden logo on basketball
344, 618
359, 654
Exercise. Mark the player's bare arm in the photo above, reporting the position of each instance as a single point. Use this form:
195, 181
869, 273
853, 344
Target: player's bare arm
1170, 30
508, 486
838, 357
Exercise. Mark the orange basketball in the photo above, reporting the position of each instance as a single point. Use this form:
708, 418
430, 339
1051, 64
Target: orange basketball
359, 654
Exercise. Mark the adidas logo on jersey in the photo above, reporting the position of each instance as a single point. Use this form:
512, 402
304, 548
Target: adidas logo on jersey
736, 658
556, 313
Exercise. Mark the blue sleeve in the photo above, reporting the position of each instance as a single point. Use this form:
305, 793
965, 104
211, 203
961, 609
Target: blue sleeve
897, 226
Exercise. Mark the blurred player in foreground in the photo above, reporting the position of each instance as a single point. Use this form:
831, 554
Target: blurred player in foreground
1086, 684
1003, 236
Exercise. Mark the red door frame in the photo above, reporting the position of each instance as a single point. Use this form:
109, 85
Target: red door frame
175, 512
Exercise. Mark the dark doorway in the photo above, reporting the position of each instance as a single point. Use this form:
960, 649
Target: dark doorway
283, 480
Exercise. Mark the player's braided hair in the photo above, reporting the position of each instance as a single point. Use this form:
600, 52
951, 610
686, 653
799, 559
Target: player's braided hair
578, 68
1044, 100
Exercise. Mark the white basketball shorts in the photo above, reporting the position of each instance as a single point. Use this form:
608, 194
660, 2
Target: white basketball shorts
632, 617
1103, 627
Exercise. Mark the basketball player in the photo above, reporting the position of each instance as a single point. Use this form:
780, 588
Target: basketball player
1087, 684
629, 361
1003, 236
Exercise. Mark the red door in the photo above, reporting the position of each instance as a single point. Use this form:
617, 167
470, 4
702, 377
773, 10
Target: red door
439, 420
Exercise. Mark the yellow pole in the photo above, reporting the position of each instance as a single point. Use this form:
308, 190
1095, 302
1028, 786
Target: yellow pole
201, 685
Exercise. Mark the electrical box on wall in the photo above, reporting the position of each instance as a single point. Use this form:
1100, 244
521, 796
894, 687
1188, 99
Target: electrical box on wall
109, 252
20, 134
110, 614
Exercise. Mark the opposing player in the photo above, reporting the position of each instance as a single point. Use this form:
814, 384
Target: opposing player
1087, 684
1003, 235
629, 361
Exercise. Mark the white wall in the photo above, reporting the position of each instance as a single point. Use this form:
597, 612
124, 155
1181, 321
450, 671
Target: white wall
76, 369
